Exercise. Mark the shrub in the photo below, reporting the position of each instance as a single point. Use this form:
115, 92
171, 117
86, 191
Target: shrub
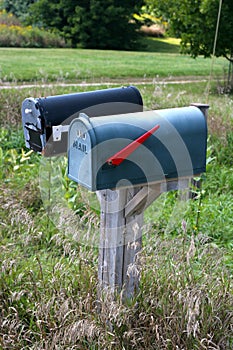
17, 36
8, 18
13, 34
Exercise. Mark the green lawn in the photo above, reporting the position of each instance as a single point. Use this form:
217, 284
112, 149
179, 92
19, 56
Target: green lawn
168, 45
23, 65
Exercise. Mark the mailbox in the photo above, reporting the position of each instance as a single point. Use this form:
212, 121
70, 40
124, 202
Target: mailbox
46, 120
111, 152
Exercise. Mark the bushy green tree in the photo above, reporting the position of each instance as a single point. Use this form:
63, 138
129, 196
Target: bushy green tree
105, 24
19, 8
194, 21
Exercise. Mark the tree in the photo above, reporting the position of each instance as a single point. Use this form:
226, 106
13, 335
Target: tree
90, 23
194, 21
19, 8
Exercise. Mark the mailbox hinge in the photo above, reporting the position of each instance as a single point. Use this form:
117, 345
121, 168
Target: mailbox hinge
58, 130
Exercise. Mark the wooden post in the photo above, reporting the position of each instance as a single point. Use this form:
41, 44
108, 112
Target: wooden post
120, 241
121, 237
121, 234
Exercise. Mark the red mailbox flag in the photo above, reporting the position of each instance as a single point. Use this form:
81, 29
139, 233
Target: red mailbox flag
120, 156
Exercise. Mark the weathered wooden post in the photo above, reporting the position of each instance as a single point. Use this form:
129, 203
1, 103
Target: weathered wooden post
121, 234
120, 241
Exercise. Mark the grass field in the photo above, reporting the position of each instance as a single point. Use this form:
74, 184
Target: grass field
20, 65
48, 278
166, 45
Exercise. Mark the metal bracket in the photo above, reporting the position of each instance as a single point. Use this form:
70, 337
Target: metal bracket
58, 130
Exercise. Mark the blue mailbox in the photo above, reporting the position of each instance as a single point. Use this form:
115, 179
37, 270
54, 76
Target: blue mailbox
46, 120
111, 152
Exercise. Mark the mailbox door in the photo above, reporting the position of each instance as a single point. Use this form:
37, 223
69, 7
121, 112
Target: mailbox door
80, 155
33, 126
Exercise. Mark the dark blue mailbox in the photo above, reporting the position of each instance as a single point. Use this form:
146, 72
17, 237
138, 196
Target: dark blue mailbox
46, 120
137, 148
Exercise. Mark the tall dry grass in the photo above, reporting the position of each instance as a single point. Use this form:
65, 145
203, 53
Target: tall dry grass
48, 281
49, 296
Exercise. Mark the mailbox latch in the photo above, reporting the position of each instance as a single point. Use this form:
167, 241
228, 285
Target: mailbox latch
58, 130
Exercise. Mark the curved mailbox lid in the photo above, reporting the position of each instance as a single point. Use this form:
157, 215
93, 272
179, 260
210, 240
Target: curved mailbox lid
39, 115
178, 148
57, 109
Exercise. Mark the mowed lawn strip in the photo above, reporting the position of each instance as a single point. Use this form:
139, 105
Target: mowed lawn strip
19, 65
